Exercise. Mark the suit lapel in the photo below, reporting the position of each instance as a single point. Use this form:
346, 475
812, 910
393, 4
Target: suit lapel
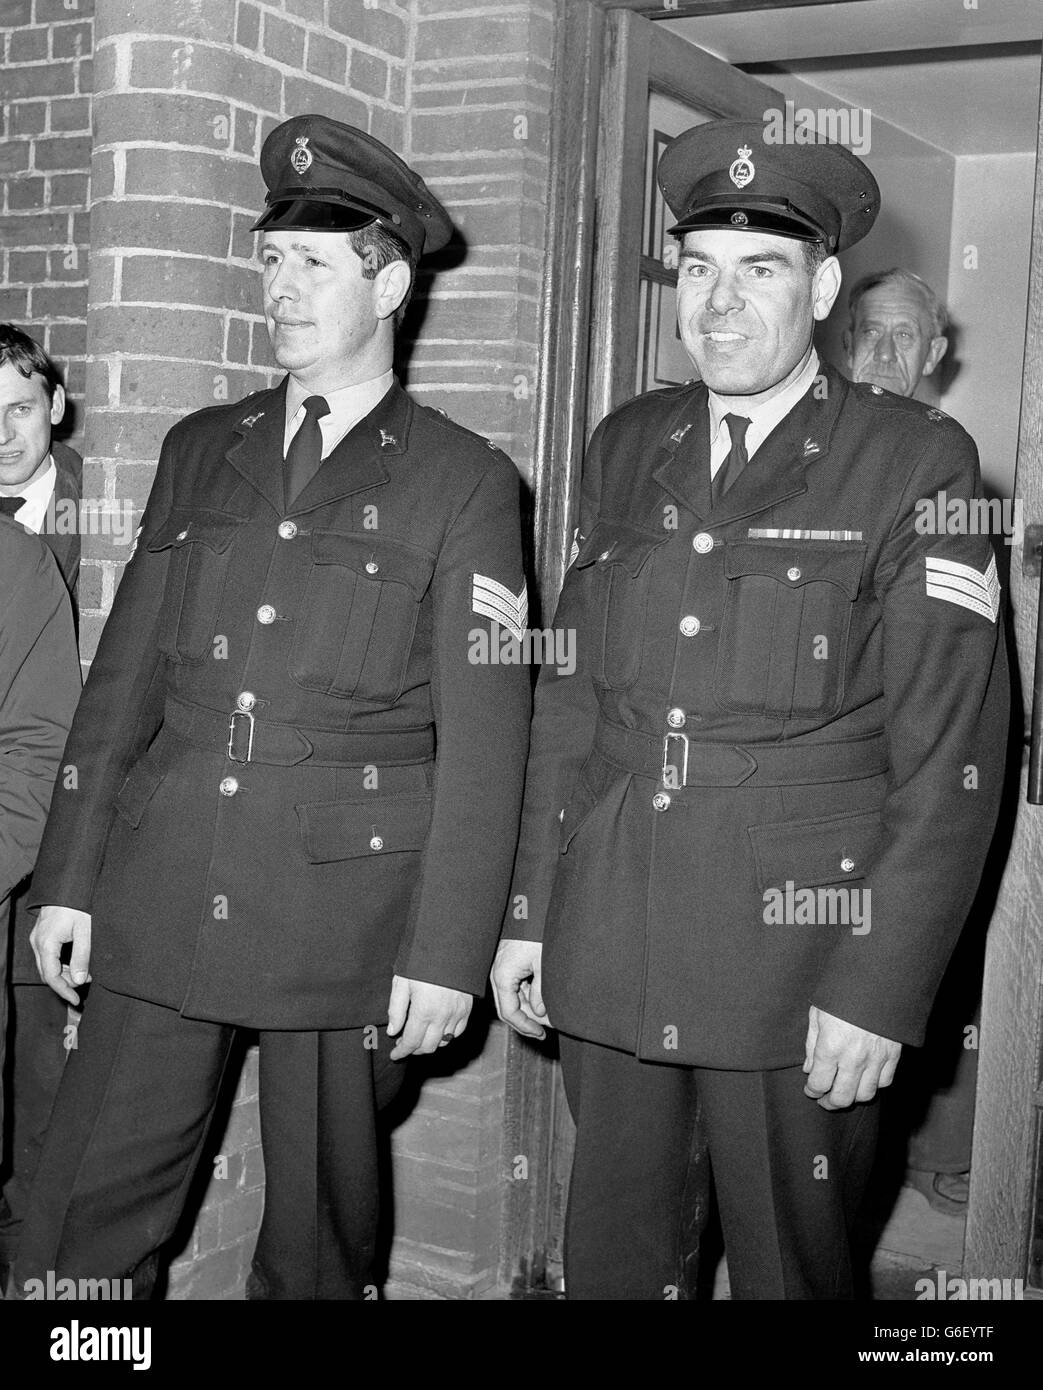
683, 464
359, 460
256, 450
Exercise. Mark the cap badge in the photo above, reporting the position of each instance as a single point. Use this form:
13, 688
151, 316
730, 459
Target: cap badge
301, 158
742, 171
739, 219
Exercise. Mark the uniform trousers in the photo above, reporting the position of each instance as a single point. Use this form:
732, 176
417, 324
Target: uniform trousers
788, 1176
130, 1123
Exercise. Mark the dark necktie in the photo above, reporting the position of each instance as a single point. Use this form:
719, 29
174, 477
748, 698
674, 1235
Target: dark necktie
305, 452
9, 505
737, 457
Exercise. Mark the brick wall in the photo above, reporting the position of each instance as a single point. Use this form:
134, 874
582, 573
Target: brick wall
183, 96
45, 87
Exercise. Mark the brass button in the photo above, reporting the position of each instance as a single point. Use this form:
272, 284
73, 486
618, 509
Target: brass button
228, 786
266, 613
676, 719
287, 530
793, 573
661, 801
376, 842
372, 567
247, 699
690, 625
703, 543
847, 865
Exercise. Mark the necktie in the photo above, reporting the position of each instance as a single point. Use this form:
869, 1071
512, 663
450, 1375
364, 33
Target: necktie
737, 458
9, 505
305, 452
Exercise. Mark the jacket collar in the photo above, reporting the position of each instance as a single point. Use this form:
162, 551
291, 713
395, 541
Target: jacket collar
356, 463
776, 471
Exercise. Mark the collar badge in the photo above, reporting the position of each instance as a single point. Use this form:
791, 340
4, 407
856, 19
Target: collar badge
387, 440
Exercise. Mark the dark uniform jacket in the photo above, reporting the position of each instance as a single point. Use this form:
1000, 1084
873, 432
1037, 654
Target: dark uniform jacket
39, 686
833, 685
64, 543
358, 816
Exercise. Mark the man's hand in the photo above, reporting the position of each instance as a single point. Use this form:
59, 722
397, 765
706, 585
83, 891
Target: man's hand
54, 927
517, 987
426, 1013
845, 1063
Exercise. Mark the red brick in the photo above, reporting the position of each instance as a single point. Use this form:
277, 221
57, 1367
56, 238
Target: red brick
14, 13
375, 28
94, 476
43, 80
284, 42
184, 386
231, 181
244, 137
85, 76
170, 117
301, 95
103, 173
327, 57
248, 26
49, 302
199, 21
189, 333
101, 280
387, 126
397, 85
91, 625
128, 434
28, 46
71, 113
75, 376
308, 9
14, 305
157, 63
215, 1276
67, 339
62, 152
241, 1218
237, 346
195, 228
26, 194
188, 280
49, 11
244, 241
475, 34
261, 346
26, 267
253, 1168
14, 156
70, 190
63, 266
368, 74
72, 40
105, 68
90, 586
28, 117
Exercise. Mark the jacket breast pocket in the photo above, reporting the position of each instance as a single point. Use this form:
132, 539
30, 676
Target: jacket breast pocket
199, 542
358, 616
784, 636
619, 559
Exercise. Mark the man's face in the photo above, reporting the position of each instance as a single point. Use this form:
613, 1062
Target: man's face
890, 343
26, 417
324, 317
746, 307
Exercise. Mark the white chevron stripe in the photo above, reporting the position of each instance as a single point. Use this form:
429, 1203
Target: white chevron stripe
964, 585
494, 600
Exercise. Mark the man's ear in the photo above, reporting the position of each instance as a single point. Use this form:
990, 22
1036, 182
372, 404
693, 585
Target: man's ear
937, 352
825, 287
58, 405
390, 288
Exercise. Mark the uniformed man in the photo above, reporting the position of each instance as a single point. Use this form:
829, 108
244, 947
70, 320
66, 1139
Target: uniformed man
297, 799
756, 815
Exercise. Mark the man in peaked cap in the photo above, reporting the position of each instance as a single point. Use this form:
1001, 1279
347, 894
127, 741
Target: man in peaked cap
304, 818
756, 815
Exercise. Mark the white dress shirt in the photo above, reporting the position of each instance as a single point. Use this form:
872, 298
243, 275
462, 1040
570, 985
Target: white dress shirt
762, 418
347, 406
33, 512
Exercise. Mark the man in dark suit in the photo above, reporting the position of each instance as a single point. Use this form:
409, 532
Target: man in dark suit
756, 816
301, 818
39, 489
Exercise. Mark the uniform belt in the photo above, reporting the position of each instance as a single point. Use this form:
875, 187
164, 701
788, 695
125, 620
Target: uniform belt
247, 739
694, 762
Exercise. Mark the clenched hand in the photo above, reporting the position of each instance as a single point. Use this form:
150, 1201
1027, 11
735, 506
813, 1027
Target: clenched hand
56, 926
845, 1063
424, 1014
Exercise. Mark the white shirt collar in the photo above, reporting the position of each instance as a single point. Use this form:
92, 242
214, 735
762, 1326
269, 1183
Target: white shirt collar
347, 406
762, 418
33, 511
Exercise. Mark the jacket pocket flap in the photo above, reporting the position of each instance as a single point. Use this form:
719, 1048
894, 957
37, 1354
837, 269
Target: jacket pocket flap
186, 526
617, 543
375, 559
833, 849
795, 563
334, 830
137, 790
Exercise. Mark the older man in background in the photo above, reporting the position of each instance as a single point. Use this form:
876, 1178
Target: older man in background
896, 334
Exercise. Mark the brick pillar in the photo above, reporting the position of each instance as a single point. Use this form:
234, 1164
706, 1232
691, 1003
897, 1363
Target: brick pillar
478, 105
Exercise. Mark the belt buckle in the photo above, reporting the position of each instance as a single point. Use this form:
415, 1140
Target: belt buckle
241, 714
668, 764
